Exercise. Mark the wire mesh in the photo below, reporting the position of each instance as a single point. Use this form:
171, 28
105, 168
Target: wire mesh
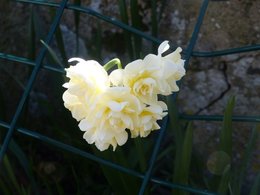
38, 64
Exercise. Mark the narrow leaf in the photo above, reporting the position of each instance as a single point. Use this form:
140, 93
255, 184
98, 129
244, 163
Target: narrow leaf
241, 171
120, 182
60, 44
53, 54
136, 23
23, 161
255, 190
182, 166
225, 142
225, 180
11, 174
127, 35
60, 40
226, 131
186, 155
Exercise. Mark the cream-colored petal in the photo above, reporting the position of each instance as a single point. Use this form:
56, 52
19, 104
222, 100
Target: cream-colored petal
84, 125
116, 106
164, 46
121, 138
90, 136
174, 56
102, 146
116, 77
70, 99
132, 67
76, 59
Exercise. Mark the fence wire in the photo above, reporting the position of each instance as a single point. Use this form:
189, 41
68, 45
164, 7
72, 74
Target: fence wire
38, 64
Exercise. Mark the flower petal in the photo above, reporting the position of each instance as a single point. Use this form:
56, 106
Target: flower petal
115, 106
116, 77
76, 59
121, 138
84, 125
164, 46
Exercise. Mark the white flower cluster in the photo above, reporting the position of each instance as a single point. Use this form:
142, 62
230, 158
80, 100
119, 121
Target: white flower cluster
107, 105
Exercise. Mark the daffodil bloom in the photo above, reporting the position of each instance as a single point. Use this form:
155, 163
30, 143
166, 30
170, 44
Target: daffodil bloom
148, 119
87, 79
151, 76
171, 66
115, 111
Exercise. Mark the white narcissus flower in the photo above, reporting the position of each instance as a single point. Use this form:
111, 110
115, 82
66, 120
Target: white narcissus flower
173, 65
148, 119
171, 68
87, 79
116, 110
151, 76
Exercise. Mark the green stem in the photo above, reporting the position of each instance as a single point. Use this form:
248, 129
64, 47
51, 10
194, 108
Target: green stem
112, 63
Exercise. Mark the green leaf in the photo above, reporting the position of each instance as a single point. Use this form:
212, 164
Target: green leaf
120, 182
59, 40
241, 170
226, 131
183, 160
23, 161
136, 23
186, 154
174, 122
53, 54
225, 142
10, 173
255, 190
175, 126
127, 35
225, 180
60, 44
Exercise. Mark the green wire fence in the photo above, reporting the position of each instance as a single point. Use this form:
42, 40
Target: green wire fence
38, 64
